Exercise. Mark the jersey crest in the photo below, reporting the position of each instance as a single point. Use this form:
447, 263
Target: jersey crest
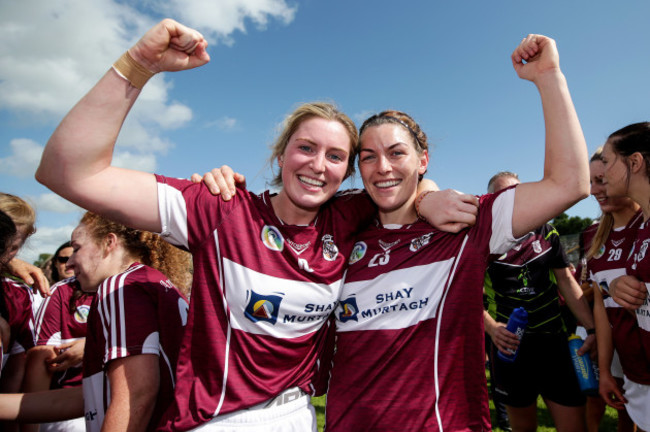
330, 251
419, 242
81, 314
272, 238
358, 252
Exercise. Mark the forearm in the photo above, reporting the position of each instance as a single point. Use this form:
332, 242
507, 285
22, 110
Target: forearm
41, 407
574, 297
566, 159
603, 334
37, 377
489, 323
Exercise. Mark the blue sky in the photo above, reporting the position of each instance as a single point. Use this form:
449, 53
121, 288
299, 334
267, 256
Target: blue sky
445, 63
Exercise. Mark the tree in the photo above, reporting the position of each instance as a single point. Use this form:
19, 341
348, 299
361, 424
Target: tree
566, 225
41, 259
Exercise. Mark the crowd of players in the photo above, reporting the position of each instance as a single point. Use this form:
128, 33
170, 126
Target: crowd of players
306, 291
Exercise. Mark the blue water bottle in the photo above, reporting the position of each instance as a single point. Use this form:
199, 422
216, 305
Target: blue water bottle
516, 324
587, 376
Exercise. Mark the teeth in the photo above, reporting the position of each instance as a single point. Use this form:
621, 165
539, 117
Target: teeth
311, 182
387, 183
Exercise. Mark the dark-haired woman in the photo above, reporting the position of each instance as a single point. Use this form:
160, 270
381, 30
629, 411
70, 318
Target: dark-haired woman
626, 156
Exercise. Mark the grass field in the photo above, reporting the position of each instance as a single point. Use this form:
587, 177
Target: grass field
545, 423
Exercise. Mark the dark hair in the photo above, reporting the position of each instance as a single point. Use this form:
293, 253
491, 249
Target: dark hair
7, 232
53, 269
400, 118
631, 139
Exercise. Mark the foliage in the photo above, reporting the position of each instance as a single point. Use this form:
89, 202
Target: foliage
41, 259
565, 224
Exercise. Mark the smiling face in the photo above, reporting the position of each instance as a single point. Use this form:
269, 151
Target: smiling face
314, 165
390, 167
615, 174
61, 262
87, 259
599, 191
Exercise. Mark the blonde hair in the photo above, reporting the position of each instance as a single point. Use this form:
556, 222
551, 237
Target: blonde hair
20, 212
148, 248
305, 112
606, 222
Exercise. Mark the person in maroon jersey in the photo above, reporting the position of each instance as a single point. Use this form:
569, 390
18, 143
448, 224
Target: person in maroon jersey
55, 361
605, 246
267, 267
135, 325
626, 157
410, 353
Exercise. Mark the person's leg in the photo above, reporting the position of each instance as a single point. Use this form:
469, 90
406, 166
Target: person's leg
594, 412
523, 419
567, 418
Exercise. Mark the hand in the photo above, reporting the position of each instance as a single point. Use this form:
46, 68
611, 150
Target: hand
221, 181
67, 355
535, 55
589, 345
610, 391
505, 341
170, 46
449, 210
628, 292
31, 275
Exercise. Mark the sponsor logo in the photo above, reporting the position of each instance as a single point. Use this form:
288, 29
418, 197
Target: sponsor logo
537, 247
604, 287
600, 252
349, 310
330, 251
263, 307
419, 242
81, 314
298, 248
617, 243
386, 246
272, 238
358, 252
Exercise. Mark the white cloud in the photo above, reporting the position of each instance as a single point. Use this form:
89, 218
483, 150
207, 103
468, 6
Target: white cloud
46, 240
217, 20
139, 162
24, 158
53, 52
360, 117
224, 123
53, 203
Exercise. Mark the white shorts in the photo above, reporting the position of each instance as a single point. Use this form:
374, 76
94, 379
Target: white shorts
290, 411
74, 425
638, 401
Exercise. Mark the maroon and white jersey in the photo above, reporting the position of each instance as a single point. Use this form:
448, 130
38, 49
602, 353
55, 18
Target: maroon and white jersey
59, 322
410, 341
136, 312
16, 309
261, 296
608, 264
638, 265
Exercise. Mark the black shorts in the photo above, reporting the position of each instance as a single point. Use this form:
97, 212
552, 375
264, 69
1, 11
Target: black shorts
543, 367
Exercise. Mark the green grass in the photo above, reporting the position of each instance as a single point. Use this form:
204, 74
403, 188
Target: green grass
545, 422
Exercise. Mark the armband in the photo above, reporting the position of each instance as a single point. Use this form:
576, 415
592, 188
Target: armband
132, 71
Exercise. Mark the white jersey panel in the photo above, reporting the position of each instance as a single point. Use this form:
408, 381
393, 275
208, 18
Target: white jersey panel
502, 238
93, 390
400, 298
173, 215
310, 306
